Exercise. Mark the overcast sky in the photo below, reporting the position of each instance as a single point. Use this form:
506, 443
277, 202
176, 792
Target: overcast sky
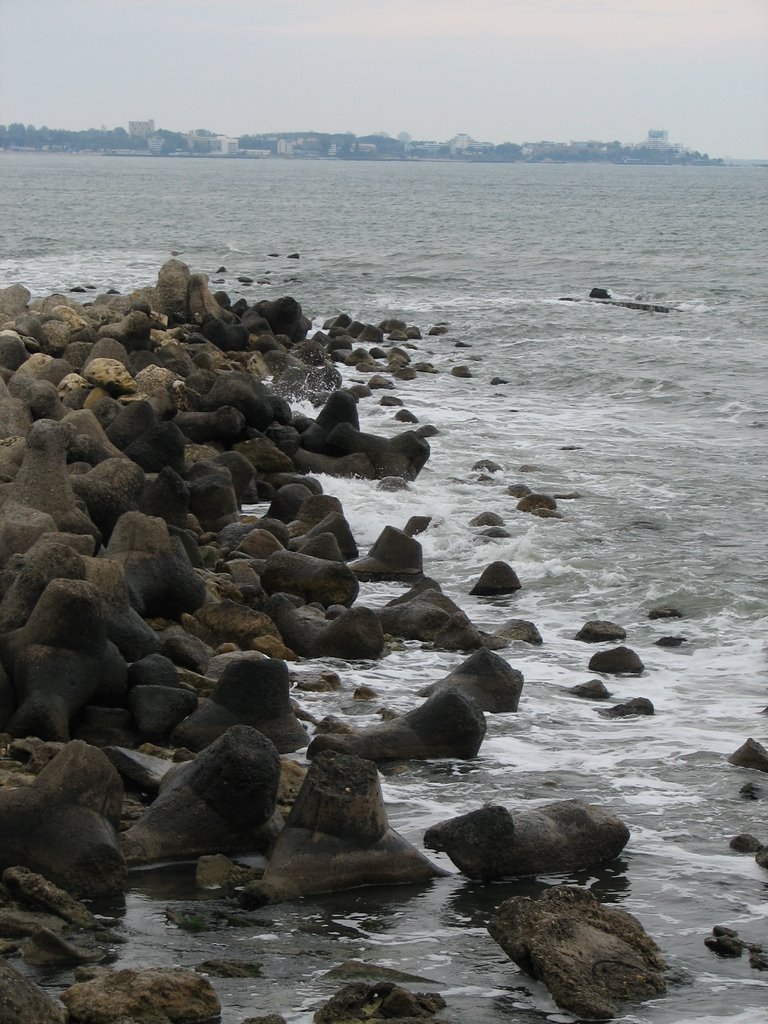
501, 70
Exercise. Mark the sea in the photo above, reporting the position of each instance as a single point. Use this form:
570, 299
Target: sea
654, 424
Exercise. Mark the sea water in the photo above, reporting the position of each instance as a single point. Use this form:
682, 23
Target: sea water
656, 421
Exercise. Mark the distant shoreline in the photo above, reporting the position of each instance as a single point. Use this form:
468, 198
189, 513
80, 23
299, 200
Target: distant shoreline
300, 158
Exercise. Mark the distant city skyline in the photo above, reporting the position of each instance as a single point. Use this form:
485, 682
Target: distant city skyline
500, 70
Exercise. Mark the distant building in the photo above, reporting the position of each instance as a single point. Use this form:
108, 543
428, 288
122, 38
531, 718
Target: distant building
156, 143
141, 129
658, 138
284, 147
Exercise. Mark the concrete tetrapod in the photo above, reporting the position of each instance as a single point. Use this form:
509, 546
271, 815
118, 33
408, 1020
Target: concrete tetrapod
337, 837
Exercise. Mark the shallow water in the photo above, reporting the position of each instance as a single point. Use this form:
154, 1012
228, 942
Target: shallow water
657, 421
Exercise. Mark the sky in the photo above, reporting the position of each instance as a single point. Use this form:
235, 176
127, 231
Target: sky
500, 70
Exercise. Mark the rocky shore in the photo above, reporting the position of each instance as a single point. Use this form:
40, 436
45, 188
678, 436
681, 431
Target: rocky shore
149, 633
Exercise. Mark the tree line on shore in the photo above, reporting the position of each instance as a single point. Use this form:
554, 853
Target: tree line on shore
340, 145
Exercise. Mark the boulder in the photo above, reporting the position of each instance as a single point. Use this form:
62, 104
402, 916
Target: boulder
491, 843
750, 754
64, 825
23, 1002
635, 706
222, 802
337, 837
593, 959
449, 724
497, 579
361, 1002
617, 661
313, 579
155, 995
354, 635
598, 631
250, 692
485, 677
393, 556
404, 455
519, 629
429, 615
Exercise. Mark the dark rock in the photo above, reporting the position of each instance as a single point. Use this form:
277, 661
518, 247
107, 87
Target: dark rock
313, 579
222, 802
485, 677
617, 661
64, 825
520, 629
750, 754
359, 1002
157, 710
593, 689
636, 706
533, 502
24, 1003
670, 641
252, 693
492, 844
354, 635
497, 579
393, 556
448, 724
598, 631
665, 612
745, 843
173, 995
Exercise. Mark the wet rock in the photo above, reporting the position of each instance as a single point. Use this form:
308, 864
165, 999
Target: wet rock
45, 948
359, 1003
670, 641
337, 837
617, 661
393, 556
222, 802
593, 689
665, 611
745, 843
636, 706
497, 579
532, 502
750, 754
28, 887
485, 677
519, 629
429, 615
230, 968
157, 994
492, 844
355, 634
592, 958
448, 724
598, 631
138, 770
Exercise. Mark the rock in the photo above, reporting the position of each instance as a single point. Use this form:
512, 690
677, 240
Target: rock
110, 375
252, 693
393, 556
222, 802
313, 579
356, 634
448, 724
593, 689
750, 754
59, 659
138, 770
485, 677
497, 579
428, 615
157, 710
533, 502
158, 573
745, 843
156, 995
359, 1002
22, 1002
33, 889
520, 629
230, 968
670, 641
617, 661
665, 611
45, 948
598, 631
337, 837
636, 706
64, 825
492, 844
403, 455
593, 959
